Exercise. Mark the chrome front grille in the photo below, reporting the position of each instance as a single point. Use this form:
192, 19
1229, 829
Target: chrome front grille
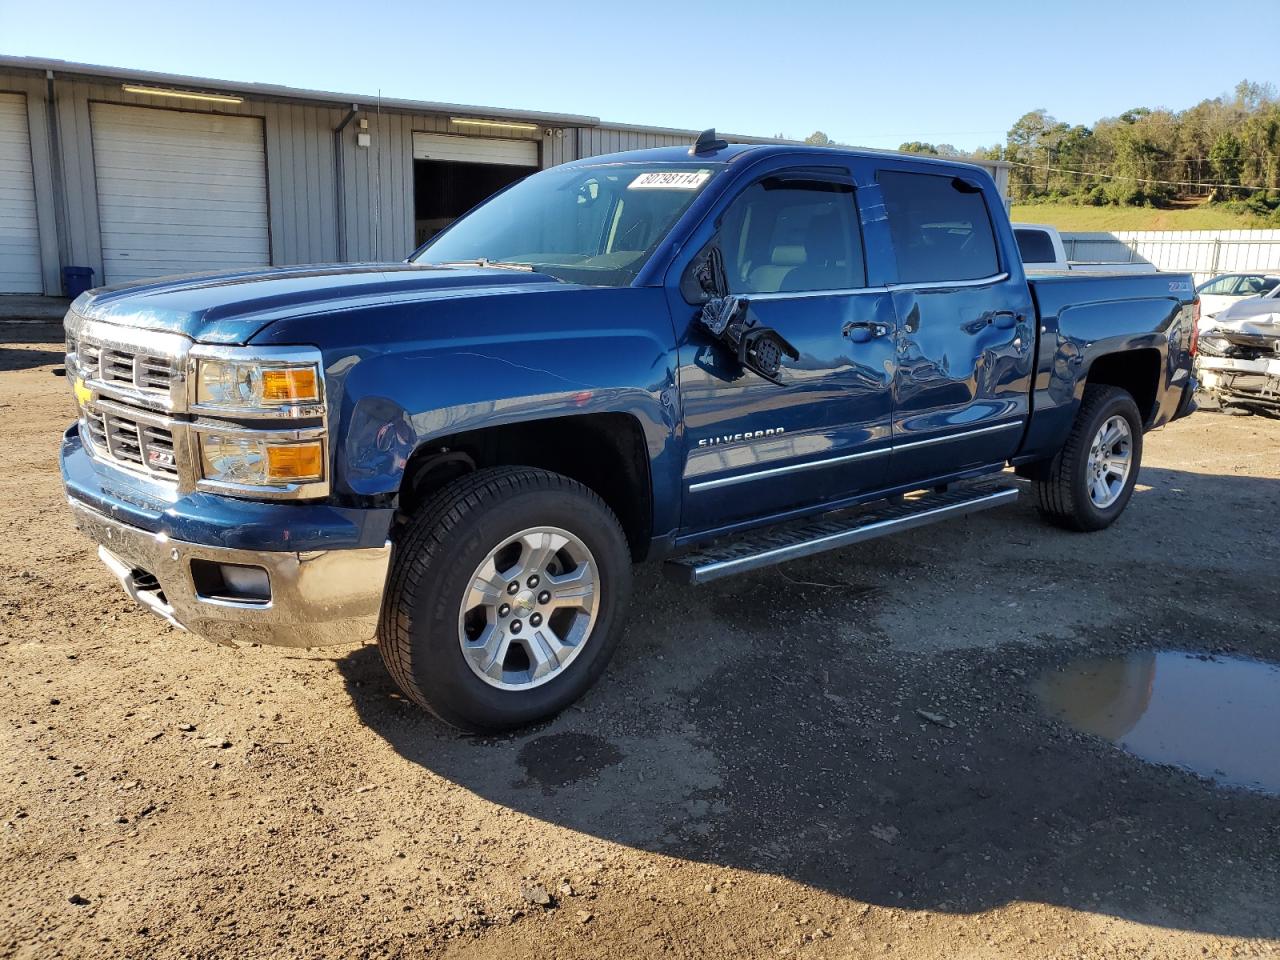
133, 443
123, 366
135, 383
134, 389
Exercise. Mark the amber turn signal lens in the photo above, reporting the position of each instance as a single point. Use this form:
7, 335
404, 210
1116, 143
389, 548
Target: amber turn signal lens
290, 385
295, 461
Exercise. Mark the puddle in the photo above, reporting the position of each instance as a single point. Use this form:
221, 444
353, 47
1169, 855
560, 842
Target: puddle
564, 758
1216, 716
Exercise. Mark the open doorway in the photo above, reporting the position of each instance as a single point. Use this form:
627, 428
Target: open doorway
452, 174
444, 190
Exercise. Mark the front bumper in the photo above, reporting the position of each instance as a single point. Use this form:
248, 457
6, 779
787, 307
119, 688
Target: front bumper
317, 597
1240, 382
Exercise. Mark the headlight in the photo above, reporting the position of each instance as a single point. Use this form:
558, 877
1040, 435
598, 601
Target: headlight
260, 421
1219, 346
260, 462
258, 385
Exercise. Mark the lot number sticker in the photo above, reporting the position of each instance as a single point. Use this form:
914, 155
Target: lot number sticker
670, 180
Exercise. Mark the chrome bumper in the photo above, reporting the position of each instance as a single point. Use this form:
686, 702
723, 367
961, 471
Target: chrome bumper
318, 598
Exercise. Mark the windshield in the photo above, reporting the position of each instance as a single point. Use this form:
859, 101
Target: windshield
594, 225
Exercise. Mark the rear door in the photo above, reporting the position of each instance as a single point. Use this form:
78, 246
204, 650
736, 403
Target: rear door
965, 335
792, 247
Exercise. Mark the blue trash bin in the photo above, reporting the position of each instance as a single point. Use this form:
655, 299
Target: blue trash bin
76, 280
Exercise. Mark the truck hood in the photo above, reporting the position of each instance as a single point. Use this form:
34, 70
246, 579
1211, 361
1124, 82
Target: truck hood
1257, 315
230, 308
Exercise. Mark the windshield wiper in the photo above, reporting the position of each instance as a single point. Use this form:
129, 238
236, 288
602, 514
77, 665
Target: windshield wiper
487, 263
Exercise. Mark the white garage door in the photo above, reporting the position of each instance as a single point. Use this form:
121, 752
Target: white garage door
179, 192
19, 232
443, 146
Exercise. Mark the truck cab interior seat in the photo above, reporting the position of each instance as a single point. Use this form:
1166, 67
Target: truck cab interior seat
826, 262
770, 277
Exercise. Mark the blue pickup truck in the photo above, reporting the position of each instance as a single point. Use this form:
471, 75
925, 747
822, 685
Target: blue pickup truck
720, 357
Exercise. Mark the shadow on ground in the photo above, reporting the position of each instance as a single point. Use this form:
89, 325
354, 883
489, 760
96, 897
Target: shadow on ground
11, 359
14, 332
766, 725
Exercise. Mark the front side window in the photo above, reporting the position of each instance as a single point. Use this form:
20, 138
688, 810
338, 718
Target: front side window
595, 225
940, 227
785, 235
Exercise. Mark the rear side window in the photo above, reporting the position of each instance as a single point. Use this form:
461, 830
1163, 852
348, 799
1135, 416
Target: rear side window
788, 236
940, 227
1034, 246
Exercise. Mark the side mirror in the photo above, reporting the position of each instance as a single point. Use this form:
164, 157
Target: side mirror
759, 349
704, 278
691, 288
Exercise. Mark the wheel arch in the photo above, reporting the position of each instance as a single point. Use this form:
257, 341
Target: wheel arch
605, 452
1137, 372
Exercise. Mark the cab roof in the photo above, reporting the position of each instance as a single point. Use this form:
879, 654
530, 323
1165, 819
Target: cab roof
735, 151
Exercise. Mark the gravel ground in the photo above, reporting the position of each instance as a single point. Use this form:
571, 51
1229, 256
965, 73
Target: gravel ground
751, 778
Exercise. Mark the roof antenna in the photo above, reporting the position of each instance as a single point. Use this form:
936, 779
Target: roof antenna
707, 142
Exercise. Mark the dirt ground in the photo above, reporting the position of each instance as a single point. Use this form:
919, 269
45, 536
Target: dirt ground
750, 779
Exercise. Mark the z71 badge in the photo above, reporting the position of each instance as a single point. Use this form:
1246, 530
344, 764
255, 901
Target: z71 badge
739, 437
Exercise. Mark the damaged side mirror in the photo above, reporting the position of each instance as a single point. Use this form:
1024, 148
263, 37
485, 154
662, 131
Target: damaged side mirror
728, 318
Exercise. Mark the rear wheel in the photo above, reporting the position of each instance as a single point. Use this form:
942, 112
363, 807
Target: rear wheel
1089, 483
505, 599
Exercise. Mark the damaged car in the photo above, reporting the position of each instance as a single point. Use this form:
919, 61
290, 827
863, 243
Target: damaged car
1239, 356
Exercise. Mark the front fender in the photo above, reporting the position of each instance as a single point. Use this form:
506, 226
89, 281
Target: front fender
395, 403
402, 375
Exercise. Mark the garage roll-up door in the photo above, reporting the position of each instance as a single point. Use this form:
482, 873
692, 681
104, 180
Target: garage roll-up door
443, 146
179, 192
19, 231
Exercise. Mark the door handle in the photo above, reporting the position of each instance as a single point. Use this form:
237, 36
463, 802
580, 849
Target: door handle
865, 330
1004, 319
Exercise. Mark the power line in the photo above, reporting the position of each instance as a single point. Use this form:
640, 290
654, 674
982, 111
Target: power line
1119, 176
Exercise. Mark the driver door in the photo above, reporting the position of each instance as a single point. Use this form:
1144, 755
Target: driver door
791, 243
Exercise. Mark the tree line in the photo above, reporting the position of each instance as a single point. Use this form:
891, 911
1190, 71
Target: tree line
1225, 150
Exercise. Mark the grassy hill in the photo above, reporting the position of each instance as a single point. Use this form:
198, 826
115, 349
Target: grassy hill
1183, 217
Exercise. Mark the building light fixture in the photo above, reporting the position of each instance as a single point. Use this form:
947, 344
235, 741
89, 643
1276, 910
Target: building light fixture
505, 124
181, 94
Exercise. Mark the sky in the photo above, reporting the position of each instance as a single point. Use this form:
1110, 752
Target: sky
873, 75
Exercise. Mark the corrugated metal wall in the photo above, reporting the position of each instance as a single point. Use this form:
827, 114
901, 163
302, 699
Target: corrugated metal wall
385, 231
305, 210
594, 141
310, 218
300, 170
1201, 252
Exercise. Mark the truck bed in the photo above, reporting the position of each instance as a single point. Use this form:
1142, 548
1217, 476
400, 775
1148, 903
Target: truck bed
1057, 292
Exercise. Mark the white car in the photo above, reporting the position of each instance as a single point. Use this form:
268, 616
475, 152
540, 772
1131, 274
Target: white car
1222, 291
1043, 251
1239, 358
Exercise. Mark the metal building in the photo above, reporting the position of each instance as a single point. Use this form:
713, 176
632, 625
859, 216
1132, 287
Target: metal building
137, 174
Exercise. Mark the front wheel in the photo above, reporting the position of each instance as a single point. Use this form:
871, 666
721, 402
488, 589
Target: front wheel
505, 599
1089, 483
